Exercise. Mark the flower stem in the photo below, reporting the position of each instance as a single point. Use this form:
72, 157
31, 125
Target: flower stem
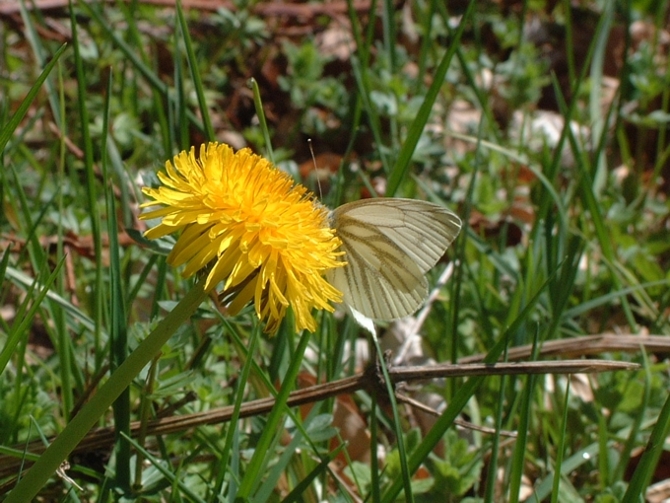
67, 440
251, 478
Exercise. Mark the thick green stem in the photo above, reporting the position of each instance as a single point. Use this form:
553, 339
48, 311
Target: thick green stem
76, 429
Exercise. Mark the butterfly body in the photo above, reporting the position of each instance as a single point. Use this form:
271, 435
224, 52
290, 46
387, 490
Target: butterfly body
389, 245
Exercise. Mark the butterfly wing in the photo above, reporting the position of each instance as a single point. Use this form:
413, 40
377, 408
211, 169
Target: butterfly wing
389, 245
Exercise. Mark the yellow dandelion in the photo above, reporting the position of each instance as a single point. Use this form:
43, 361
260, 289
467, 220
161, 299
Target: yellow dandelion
267, 238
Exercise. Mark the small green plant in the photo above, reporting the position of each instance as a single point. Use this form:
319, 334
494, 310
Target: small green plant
563, 243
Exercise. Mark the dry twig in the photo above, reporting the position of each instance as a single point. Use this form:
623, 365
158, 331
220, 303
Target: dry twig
371, 381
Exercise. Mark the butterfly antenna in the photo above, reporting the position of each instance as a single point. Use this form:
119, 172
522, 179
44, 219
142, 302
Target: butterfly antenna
316, 171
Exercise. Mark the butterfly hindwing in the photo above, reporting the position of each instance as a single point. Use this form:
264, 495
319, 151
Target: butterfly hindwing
376, 283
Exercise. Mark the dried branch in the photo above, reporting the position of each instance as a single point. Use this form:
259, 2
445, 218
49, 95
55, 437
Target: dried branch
269, 9
587, 345
371, 381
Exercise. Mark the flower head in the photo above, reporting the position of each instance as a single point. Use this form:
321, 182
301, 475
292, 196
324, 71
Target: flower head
266, 237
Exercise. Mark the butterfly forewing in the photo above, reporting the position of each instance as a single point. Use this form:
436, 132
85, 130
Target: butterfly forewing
389, 244
422, 230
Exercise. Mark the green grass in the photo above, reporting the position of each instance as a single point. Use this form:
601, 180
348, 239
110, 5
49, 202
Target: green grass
562, 237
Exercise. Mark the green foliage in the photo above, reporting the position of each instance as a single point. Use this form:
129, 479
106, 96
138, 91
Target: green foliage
458, 471
565, 235
524, 75
307, 87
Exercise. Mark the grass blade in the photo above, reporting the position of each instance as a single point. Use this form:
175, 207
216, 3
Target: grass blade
21, 329
9, 128
195, 73
401, 167
67, 440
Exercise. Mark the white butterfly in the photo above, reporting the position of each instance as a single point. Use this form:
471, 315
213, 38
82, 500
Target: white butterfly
389, 245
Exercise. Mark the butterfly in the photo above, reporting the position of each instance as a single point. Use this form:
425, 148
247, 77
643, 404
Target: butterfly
389, 245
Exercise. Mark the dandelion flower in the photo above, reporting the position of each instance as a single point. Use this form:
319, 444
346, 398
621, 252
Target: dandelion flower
267, 238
